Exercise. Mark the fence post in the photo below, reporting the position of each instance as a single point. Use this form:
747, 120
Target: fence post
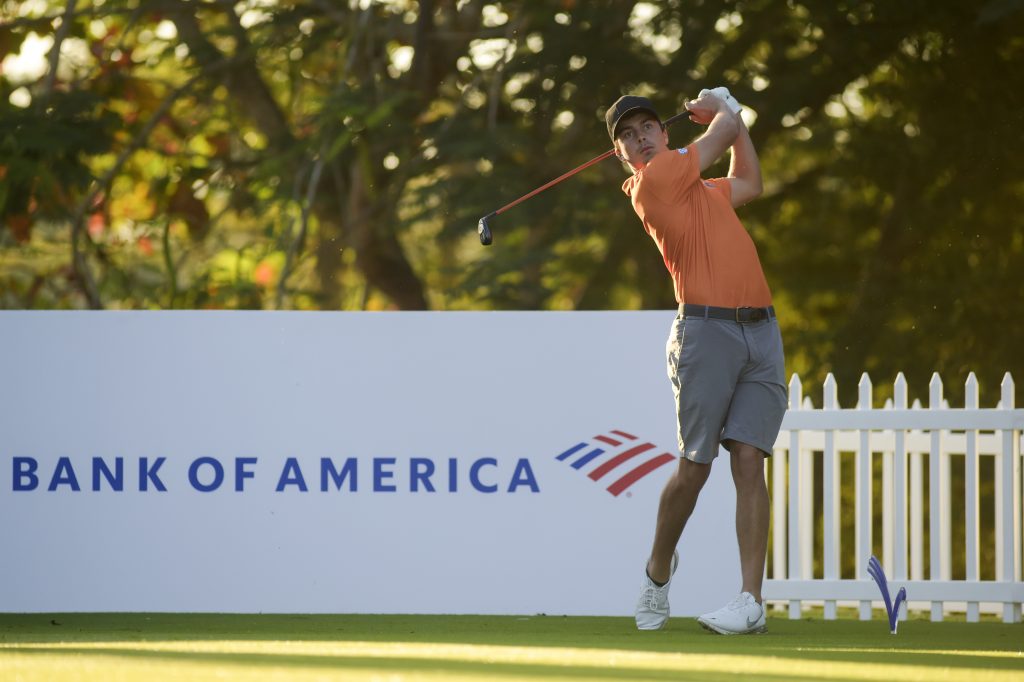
971, 481
1008, 533
946, 480
887, 508
796, 396
830, 495
779, 525
899, 483
938, 499
806, 515
916, 510
863, 505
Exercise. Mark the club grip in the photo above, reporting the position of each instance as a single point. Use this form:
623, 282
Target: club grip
678, 117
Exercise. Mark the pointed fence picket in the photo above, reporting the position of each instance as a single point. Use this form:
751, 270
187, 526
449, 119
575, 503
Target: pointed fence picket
902, 437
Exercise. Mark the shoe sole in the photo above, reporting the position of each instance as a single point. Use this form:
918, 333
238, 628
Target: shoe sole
654, 629
710, 627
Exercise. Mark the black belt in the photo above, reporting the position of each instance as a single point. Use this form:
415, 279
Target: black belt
734, 314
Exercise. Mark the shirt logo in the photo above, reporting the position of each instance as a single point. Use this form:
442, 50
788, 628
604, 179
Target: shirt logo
682, 151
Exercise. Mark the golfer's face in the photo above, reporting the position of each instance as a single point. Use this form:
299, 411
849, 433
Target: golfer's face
639, 138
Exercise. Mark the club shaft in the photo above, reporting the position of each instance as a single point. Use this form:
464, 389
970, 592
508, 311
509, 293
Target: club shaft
575, 170
557, 180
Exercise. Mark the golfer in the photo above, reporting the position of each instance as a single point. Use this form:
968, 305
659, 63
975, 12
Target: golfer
724, 352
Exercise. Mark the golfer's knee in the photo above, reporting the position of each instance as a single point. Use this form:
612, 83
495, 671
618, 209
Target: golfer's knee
747, 466
690, 475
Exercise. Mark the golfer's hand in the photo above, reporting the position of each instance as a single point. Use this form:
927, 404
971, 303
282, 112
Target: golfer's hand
704, 109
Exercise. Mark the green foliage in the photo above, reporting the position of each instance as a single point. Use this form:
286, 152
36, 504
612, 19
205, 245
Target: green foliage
345, 154
45, 156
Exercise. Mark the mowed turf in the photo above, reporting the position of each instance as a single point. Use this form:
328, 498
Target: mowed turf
361, 647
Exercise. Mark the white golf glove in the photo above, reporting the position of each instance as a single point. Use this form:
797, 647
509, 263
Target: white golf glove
722, 92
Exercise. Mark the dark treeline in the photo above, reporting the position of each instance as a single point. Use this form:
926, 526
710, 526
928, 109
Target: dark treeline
337, 155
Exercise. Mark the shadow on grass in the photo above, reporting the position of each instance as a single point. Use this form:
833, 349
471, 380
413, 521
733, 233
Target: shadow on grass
950, 645
447, 668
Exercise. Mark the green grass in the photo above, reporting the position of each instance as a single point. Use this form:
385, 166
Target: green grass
317, 647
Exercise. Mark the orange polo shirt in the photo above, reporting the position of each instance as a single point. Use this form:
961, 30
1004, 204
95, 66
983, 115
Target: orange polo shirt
711, 257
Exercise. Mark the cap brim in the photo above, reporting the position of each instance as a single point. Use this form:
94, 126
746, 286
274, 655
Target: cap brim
629, 112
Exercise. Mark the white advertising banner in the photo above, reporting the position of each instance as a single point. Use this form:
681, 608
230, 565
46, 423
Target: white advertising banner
489, 463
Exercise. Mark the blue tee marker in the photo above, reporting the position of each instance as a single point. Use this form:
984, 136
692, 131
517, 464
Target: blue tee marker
891, 608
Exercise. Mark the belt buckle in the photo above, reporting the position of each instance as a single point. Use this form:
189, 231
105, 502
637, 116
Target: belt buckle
751, 314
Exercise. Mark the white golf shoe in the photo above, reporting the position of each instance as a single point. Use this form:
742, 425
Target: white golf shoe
742, 616
652, 607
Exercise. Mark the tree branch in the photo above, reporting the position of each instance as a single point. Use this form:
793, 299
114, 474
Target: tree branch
58, 40
300, 238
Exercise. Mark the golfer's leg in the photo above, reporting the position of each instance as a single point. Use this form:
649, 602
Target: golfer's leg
677, 502
752, 514
702, 365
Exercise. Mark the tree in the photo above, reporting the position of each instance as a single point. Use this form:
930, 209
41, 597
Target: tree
335, 155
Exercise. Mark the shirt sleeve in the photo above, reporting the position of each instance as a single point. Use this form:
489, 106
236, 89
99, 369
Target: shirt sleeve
673, 173
722, 185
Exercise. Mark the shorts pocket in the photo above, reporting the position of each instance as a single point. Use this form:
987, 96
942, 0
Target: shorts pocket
778, 356
680, 340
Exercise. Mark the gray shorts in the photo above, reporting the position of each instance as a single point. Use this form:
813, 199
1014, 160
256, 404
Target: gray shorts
729, 383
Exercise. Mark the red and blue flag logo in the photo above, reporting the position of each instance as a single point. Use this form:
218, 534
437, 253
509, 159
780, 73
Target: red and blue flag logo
614, 455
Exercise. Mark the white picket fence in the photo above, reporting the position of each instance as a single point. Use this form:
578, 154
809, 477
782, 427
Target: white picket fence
901, 436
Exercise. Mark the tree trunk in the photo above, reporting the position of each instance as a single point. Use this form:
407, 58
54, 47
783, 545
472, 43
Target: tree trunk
379, 256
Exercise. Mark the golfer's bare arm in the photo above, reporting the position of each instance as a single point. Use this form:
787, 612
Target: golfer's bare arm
720, 135
744, 168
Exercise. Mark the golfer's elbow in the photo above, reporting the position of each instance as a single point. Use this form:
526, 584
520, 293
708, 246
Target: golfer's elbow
756, 187
745, 189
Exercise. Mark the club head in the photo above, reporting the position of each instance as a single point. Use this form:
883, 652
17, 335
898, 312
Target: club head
484, 230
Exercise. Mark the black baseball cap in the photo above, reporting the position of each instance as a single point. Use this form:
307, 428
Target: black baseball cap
624, 106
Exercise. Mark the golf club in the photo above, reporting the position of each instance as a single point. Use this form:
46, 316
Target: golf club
483, 227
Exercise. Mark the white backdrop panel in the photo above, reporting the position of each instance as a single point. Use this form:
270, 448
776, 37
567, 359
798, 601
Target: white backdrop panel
508, 392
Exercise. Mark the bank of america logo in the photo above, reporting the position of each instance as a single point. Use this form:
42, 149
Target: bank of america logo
615, 452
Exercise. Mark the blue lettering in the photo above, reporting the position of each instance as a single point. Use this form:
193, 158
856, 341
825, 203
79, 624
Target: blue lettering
291, 475
241, 473
218, 474
474, 475
523, 475
347, 471
418, 476
24, 473
335, 475
115, 478
379, 475
64, 474
147, 474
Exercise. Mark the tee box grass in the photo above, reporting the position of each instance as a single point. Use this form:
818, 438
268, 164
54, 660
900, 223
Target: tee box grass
160, 646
